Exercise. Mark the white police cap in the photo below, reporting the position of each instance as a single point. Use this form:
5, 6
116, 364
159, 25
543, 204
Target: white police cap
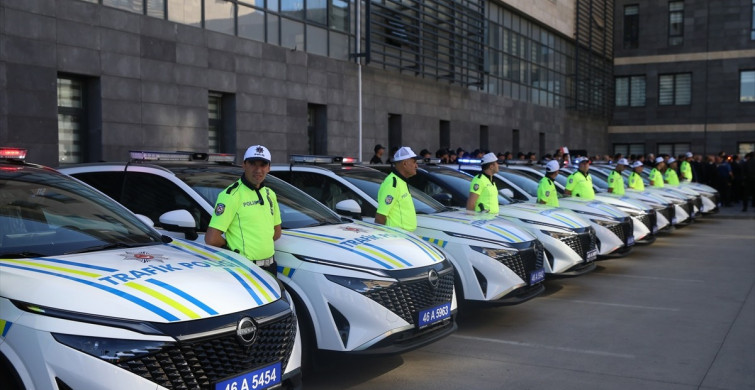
257, 152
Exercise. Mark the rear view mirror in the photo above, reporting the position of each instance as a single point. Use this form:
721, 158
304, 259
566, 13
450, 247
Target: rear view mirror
179, 221
349, 208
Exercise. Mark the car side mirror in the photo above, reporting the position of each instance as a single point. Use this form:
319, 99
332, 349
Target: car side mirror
444, 198
349, 208
180, 221
508, 192
147, 220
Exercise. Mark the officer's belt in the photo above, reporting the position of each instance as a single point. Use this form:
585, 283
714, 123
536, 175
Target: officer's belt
264, 262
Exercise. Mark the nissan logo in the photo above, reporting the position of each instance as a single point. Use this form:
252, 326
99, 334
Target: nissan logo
433, 278
246, 331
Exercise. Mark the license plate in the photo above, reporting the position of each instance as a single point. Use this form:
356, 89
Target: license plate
434, 315
655, 229
673, 221
262, 378
630, 240
537, 276
592, 255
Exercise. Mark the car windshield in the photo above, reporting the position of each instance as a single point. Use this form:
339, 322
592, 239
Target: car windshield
297, 208
460, 182
45, 213
526, 183
369, 182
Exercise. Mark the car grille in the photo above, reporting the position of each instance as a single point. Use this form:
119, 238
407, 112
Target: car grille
524, 261
668, 212
407, 298
581, 243
623, 230
198, 364
649, 220
699, 202
687, 207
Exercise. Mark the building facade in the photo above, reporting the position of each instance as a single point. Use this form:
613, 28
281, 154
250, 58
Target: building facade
89, 80
684, 77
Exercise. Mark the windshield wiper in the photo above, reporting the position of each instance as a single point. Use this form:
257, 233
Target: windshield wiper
103, 247
20, 255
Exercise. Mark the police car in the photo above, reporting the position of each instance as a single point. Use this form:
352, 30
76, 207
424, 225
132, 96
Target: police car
570, 243
613, 228
357, 287
642, 215
704, 198
495, 261
91, 297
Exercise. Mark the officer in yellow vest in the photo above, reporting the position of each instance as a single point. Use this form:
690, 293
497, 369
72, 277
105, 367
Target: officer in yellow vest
395, 205
685, 168
615, 179
579, 183
669, 174
483, 193
655, 177
247, 212
635, 179
546, 190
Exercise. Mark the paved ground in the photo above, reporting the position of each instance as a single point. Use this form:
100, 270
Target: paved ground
677, 314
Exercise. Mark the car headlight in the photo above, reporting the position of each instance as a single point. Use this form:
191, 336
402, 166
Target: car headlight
559, 235
112, 350
360, 285
604, 223
495, 253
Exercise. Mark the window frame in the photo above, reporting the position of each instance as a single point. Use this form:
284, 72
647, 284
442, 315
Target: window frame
631, 37
630, 91
675, 85
741, 73
675, 38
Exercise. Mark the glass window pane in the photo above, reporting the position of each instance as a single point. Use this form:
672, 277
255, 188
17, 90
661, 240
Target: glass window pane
666, 90
70, 93
129, 5
622, 91
69, 138
292, 8
339, 15
273, 5
292, 34
156, 8
273, 29
317, 40
218, 16
339, 46
185, 12
683, 89
747, 86
251, 23
638, 91
317, 11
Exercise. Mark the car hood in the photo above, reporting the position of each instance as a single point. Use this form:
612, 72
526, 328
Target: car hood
623, 203
484, 226
170, 282
360, 244
592, 207
541, 213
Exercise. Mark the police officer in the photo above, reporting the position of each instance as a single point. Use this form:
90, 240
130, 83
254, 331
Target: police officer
635, 179
546, 190
247, 212
669, 174
579, 183
377, 158
615, 180
395, 205
685, 168
656, 178
483, 193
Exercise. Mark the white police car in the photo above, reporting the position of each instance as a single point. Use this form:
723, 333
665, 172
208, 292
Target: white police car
357, 287
93, 298
569, 241
495, 261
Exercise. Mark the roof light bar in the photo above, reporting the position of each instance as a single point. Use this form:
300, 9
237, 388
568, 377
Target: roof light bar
429, 160
348, 160
221, 158
313, 159
13, 153
469, 161
140, 155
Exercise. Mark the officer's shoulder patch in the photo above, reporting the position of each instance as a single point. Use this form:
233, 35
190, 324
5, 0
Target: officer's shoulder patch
571, 180
476, 187
388, 199
547, 193
219, 209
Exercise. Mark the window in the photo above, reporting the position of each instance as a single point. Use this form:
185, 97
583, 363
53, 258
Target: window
219, 15
674, 149
185, 12
630, 91
747, 86
629, 149
631, 26
675, 89
444, 129
745, 147
752, 24
675, 23
317, 128
128, 5
215, 125
72, 119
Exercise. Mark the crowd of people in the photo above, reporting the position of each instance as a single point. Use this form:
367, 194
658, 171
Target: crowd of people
732, 176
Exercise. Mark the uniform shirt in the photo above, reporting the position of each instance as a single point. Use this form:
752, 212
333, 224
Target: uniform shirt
656, 179
616, 182
580, 185
671, 177
487, 192
546, 192
635, 182
395, 202
686, 170
248, 217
